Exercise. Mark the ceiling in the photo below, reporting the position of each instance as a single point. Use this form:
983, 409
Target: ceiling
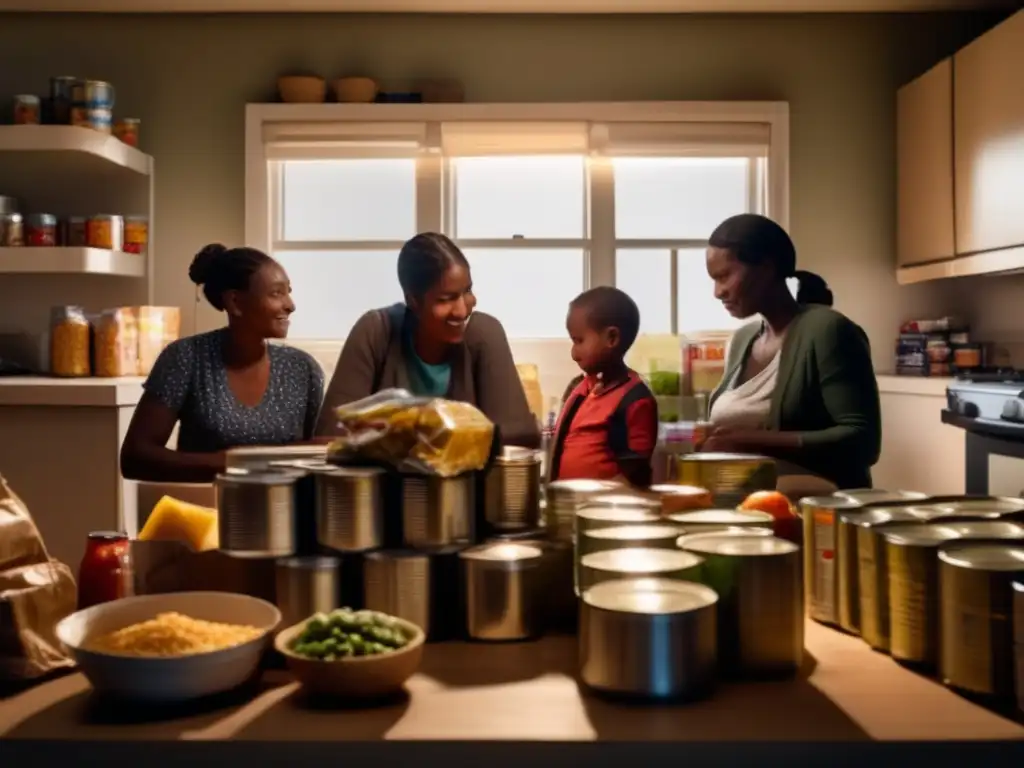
498, 6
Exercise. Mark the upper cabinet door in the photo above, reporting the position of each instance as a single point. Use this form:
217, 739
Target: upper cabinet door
988, 131
924, 150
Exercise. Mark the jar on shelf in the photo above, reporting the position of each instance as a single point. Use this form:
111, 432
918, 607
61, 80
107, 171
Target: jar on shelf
69, 342
127, 130
105, 231
105, 573
12, 230
116, 343
27, 108
73, 232
136, 234
41, 230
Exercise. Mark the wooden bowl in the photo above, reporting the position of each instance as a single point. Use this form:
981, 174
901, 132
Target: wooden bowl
302, 89
355, 90
356, 677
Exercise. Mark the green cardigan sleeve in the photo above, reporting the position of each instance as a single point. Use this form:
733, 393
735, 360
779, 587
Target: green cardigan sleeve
850, 393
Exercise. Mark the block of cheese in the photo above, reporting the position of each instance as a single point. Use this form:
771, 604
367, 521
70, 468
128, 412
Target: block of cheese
176, 520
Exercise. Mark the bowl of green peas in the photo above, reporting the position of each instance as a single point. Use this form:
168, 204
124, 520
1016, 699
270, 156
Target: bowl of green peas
355, 654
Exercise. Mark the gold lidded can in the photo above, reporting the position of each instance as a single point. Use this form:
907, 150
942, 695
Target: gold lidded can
730, 477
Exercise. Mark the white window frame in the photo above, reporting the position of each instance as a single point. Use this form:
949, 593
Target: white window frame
320, 120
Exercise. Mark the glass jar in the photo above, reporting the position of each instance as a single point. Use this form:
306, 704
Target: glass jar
106, 571
69, 342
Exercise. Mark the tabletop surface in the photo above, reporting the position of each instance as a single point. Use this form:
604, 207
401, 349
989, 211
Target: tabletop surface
527, 692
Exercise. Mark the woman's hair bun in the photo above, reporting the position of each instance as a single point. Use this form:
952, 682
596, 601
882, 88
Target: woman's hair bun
199, 270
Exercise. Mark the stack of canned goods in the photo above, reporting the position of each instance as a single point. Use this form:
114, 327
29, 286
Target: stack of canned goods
73, 101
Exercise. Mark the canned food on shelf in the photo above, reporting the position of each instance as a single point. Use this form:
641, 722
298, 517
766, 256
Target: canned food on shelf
105, 231
26, 109
92, 94
73, 232
12, 231
61, 94
127, 130
97, 119
136, 234
41, 230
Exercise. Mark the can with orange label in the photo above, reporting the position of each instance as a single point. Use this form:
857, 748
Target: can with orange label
820, 518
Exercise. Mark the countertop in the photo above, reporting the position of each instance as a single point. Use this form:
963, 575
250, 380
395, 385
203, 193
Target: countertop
526, 692
126, 391
86, 392
930, 386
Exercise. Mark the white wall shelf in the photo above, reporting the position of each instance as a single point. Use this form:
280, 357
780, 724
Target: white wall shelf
85, 261
72, 146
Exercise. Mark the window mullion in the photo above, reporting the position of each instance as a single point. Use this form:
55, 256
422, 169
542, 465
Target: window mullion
600, 262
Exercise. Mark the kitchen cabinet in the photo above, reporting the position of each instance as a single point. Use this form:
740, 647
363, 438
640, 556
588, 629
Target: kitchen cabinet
924, 146
988, 137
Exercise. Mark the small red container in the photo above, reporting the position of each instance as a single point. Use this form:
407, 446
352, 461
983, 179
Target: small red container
105, 573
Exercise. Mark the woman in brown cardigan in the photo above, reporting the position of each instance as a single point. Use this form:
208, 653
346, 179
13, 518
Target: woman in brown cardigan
435, 345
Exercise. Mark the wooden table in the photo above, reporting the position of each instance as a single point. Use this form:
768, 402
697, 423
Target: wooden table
526, 692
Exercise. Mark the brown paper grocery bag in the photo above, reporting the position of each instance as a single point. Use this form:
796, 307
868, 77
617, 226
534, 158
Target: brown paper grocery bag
36, 592
171, 566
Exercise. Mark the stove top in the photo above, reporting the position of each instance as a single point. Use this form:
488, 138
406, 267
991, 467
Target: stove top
995, 396
991, 376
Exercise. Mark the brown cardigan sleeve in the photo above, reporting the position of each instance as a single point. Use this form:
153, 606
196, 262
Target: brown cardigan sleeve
357, 369
499, 390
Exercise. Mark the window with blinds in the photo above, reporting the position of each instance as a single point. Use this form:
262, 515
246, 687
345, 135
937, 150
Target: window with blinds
542, 210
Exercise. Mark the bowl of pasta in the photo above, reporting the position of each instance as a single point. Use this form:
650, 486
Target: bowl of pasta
172, 647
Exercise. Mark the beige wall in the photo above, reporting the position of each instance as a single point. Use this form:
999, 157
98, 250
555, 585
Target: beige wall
188, 78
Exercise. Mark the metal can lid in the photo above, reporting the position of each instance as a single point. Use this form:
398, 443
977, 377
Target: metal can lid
684, 541
982, 504
260, 477
880, 496
650, 596
742, 546
986, 529
503, 552
583, 486
726, 457
27, 98
310, 563
867, 518
384, 555
829, 502
353, 472
623, 500
732, 517
985, 557
668, 489
513, 455
640, 560
634, 533
619, 514
919, 535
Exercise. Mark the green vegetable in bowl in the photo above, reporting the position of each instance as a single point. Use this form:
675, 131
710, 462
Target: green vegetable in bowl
344, 633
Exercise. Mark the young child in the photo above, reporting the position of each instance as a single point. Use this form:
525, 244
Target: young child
608, 426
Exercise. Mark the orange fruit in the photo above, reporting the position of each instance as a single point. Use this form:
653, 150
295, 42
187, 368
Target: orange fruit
774, 503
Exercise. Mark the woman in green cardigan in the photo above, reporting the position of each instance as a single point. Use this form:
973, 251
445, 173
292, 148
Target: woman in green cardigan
798, 383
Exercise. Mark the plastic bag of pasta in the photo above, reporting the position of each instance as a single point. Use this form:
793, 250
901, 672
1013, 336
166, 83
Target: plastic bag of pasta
414, 434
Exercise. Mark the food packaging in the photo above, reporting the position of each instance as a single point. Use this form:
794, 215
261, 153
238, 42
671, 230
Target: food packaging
116, 343
69, 342
36, 592
414, 434
158, 327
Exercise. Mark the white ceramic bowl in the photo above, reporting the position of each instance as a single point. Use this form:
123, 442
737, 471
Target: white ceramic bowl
177, 678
